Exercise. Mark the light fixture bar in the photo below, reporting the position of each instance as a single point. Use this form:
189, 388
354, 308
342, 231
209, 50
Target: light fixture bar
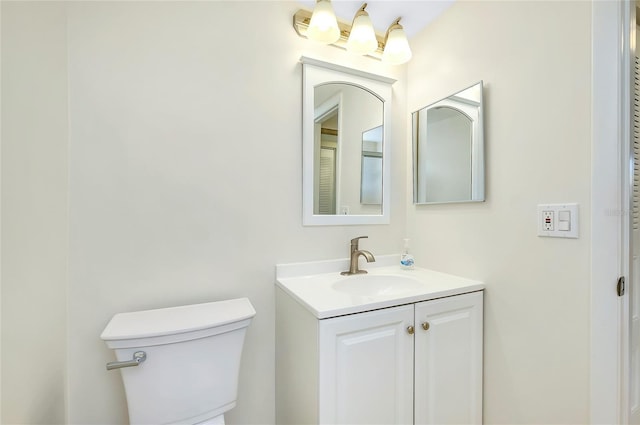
301, 21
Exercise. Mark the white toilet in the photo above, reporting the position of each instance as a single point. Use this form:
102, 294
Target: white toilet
186, 359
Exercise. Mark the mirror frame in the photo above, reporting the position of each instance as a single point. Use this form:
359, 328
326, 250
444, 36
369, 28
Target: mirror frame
477, 151
314, 73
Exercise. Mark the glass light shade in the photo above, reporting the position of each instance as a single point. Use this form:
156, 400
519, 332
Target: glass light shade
323, 26
362, 39
396, 50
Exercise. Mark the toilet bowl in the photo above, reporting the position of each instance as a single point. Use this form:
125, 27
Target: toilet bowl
180, 365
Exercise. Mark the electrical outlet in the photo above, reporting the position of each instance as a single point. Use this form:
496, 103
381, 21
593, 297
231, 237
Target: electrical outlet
547, 220
558, 220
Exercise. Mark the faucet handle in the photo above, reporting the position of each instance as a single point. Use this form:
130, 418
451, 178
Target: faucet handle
354, 241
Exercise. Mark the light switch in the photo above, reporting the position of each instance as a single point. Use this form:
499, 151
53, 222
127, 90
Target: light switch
564, 220
558, 220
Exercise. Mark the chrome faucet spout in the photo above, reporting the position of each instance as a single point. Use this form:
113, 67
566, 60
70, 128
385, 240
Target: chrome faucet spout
355, 255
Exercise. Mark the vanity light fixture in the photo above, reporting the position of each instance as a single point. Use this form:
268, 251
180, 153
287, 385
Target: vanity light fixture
362, 38
323, 25
393, 48
396, 45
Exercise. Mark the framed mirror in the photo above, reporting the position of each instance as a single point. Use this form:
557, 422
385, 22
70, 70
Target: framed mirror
345, 145
448, 149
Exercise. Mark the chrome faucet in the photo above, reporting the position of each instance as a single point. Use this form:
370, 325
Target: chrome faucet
355, 255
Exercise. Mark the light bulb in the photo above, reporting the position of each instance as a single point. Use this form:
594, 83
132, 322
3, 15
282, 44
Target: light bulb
396, 49
362, 39
323, 26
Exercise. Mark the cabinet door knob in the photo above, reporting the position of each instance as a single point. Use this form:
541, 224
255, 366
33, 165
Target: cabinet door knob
410, 330
425, 326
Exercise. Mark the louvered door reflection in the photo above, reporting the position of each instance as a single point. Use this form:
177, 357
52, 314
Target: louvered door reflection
327, 187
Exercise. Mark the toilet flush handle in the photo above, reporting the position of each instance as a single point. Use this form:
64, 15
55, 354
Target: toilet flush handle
138, 357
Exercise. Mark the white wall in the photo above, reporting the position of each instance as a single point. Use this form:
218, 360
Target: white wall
534, 58
184, 143
34, 213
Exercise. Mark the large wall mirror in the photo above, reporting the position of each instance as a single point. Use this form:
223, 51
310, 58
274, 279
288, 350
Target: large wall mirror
345, 130
448, 149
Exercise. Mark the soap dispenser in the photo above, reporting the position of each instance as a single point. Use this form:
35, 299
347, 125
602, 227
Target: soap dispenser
406, 259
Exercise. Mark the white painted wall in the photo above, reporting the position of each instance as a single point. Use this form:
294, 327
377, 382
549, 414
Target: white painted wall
534, 58
34, 213
184, 161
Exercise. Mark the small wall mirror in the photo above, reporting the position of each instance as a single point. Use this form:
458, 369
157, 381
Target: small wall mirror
345, 145
448, 149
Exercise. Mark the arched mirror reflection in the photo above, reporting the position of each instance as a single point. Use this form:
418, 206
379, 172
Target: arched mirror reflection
348, 162
345, 145
448, 149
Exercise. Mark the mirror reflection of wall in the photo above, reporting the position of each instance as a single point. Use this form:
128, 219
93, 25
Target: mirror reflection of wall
444, 166
448, 149
343, 113
371, 179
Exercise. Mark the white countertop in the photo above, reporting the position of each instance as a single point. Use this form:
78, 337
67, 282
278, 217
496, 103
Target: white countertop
320, 288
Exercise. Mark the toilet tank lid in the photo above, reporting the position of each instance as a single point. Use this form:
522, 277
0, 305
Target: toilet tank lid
173, 320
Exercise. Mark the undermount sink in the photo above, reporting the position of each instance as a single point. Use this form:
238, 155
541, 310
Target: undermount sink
377, 285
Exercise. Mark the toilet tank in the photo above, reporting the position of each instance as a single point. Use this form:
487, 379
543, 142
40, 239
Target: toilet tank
193, 359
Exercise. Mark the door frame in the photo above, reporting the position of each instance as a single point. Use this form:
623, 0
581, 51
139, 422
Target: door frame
611, 122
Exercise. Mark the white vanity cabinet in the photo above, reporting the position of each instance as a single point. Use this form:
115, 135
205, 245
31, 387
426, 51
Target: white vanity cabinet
417, 363
366, 368
448, 360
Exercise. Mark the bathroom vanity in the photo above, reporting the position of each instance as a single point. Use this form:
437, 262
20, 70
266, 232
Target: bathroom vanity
389, 347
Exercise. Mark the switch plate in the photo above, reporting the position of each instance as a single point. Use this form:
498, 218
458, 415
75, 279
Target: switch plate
558, 220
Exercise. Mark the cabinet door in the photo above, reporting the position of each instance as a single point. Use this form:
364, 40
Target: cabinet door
448, 360
366, 368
